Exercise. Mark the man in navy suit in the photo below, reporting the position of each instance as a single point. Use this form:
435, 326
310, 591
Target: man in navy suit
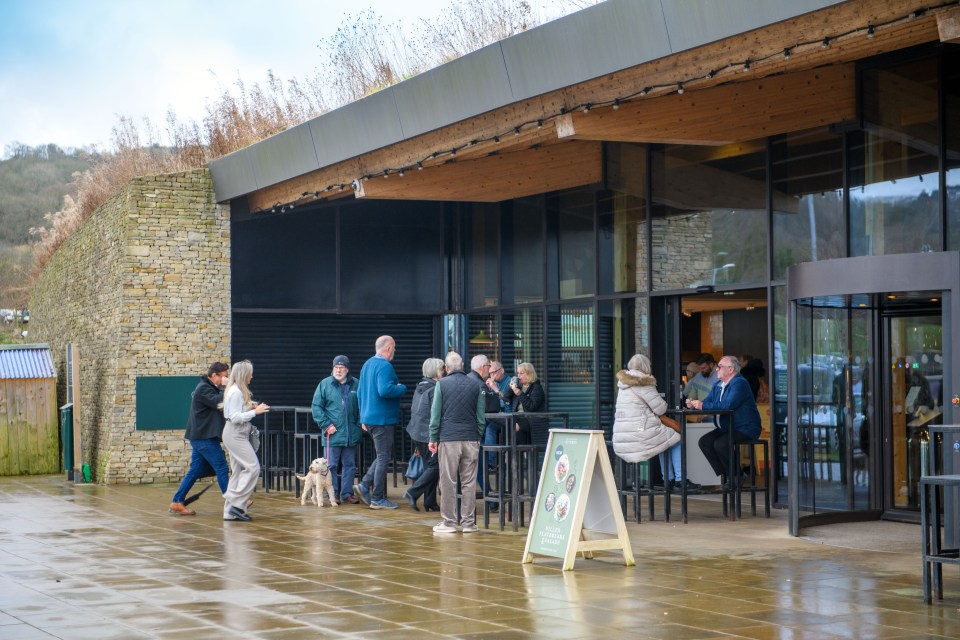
732, 391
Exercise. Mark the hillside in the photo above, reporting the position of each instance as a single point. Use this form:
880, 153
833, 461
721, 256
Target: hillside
33, 181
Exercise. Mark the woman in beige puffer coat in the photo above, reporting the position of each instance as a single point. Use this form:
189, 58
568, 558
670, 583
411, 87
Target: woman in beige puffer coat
638, 434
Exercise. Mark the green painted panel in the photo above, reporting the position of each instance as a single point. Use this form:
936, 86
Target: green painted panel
163, 402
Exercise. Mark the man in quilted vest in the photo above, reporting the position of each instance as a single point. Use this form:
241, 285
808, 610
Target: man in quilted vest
456, 426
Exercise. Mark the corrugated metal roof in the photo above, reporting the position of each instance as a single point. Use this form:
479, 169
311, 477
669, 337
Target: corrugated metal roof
19, 361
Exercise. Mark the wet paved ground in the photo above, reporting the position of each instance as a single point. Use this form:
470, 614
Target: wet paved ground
95, 562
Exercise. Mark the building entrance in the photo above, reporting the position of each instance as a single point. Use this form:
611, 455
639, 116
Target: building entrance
913, 383
869, 370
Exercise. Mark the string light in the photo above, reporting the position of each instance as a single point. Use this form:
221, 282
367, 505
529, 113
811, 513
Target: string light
787, 53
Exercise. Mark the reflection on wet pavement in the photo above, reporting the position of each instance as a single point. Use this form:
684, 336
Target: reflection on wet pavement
84, 561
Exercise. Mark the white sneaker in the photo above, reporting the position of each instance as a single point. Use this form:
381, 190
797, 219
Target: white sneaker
444, 528
472, 528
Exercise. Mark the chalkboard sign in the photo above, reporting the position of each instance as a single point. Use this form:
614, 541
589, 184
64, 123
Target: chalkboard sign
576, 510
163, 402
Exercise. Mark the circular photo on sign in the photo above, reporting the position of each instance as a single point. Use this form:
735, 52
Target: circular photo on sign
560, 471
550, 501
571, 480
558, 452
562, 508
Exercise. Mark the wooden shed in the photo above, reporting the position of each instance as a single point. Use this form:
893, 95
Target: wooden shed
29, 442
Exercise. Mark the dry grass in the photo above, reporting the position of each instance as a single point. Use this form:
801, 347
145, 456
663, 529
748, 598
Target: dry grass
363, 56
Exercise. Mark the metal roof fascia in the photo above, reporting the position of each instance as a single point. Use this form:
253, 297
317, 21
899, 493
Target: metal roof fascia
694, 23
585, 45
455, 91
291, 152
371, 123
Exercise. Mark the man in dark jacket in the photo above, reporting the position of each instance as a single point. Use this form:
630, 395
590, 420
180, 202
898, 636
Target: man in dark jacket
337, 413
204, 427
456, 426
730, 392
480, 371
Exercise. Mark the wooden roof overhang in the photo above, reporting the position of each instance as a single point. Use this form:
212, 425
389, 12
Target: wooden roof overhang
553, 142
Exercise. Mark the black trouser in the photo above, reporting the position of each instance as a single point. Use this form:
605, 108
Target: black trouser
426, 484
715, 446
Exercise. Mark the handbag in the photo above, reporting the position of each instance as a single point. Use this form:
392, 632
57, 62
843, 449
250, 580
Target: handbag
666, 421
255, 438
414, 466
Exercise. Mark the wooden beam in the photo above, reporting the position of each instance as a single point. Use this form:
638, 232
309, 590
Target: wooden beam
948, 25
496, 177
729, 113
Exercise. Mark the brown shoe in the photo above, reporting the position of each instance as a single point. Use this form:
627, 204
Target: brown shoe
349, 500
177, 509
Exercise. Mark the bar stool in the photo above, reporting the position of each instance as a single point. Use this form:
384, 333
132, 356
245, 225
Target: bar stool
753, 488
633, 483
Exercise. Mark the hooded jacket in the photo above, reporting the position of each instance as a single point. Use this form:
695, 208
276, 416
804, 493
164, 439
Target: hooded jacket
638, 434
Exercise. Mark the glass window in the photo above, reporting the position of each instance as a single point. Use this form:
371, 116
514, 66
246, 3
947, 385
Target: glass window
523, 341
576, 247
483, 337
617, 341
523, 251
622, 213
808, 218
481, 232
406, 239
709, 215
571, 371
290, 276
951, 87
894, 185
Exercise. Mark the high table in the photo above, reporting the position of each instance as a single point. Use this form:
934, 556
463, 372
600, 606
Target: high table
509, 465
726, 488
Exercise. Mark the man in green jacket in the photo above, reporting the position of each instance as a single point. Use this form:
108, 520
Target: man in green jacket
337, 413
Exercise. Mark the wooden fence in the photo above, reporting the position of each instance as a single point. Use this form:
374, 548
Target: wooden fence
29, 441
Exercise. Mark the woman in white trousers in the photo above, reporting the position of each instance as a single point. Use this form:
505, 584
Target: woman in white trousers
239, 410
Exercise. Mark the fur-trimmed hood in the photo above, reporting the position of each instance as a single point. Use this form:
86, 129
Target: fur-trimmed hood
627, 378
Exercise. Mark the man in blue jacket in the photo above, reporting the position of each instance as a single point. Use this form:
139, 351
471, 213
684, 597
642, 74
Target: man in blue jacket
337, 413
379, 394
731, 391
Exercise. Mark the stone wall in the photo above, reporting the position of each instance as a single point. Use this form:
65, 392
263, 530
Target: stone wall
142, 289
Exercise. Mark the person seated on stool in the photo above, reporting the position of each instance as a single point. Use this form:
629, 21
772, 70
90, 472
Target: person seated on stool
731, 392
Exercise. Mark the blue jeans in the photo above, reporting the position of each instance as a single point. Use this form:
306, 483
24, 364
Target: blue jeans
207, 459
674, 453
343, 467
376, 477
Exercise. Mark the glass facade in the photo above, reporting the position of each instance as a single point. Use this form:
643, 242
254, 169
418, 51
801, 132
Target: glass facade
894, 180
709, 205
951, 155
808, 218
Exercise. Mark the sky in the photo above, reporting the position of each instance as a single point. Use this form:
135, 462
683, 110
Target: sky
70, 68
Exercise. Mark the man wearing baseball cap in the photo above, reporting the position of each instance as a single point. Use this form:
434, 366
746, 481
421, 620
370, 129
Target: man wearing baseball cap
337, 413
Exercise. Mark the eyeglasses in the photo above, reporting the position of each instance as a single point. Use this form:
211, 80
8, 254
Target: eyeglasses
496, 370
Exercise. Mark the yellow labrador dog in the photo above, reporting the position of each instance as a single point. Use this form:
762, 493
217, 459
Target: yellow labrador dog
316, 482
